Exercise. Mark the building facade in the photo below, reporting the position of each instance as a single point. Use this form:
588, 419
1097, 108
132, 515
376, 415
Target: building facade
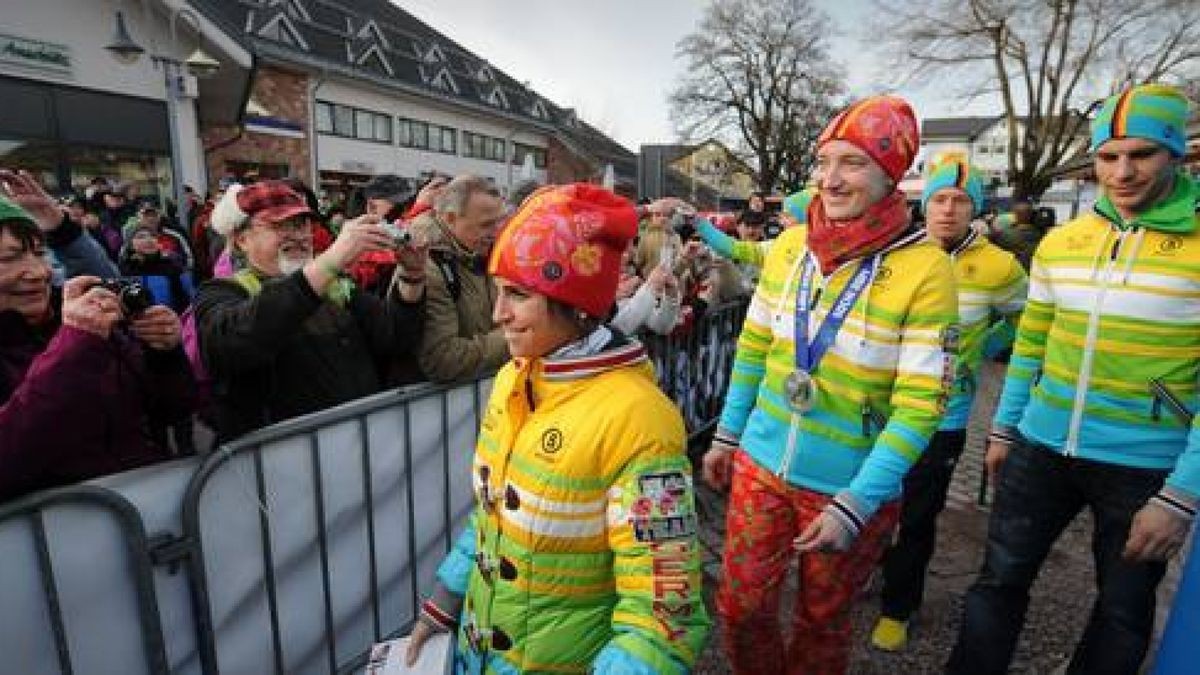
342, 91
71, 111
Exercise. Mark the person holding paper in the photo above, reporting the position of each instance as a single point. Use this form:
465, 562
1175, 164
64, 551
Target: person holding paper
581, 553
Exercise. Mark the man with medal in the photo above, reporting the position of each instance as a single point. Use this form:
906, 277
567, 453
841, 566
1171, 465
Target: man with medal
991, 293
842, 374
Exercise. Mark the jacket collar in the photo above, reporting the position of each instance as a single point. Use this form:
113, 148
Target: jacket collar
600, 351
1176, 214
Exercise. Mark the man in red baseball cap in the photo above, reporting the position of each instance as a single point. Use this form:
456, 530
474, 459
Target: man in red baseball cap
289, 333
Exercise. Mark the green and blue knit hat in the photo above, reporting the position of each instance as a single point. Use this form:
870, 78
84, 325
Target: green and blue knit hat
955, 174
797, 204
1155, 112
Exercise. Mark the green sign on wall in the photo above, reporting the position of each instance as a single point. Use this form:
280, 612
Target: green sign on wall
35, 54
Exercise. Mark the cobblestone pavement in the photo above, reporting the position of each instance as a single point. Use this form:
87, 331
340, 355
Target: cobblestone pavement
1061, 600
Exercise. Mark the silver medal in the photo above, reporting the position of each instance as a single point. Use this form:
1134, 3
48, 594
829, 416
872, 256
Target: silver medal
801, 392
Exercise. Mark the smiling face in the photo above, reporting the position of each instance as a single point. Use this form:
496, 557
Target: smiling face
1135, 173
277, 248
849, 180
24, 272
531, 328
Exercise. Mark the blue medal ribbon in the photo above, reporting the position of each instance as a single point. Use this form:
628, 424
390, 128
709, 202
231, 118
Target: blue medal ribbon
808, 355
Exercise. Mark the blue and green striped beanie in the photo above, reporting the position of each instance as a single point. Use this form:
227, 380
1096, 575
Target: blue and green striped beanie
955, 174
1155, 112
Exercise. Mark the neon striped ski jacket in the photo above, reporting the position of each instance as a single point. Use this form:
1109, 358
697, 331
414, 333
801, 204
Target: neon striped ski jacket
991, 292
892, 361
1113, 307
581, 552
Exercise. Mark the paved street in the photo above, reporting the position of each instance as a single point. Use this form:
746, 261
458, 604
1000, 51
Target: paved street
1061, 598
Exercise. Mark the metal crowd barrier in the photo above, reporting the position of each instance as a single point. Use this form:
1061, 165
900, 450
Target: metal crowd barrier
69, 608
694, 367
315, 538
290, 550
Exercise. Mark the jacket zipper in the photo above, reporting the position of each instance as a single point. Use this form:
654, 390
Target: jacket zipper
1089, 351
786, 463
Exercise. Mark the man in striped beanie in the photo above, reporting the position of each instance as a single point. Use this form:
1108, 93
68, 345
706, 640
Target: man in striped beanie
991, 292
1098, 403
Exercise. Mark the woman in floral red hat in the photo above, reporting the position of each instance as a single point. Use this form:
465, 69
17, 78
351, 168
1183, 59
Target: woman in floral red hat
581, 552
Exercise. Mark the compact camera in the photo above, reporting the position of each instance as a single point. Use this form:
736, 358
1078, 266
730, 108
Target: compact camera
133, 296
401, 237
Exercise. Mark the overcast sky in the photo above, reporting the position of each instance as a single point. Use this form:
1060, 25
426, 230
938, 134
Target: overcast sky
614, 60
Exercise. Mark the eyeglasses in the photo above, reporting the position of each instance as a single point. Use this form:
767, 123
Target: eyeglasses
288, 225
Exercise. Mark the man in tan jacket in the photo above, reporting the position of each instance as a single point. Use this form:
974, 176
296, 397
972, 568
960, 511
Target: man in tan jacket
460, 340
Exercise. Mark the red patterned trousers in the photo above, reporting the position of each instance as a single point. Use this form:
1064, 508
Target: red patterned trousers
764, 516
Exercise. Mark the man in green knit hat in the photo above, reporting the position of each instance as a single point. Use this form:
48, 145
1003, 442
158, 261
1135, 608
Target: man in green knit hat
1098, 400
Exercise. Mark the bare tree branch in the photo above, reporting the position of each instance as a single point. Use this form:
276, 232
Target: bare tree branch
1059, 54
758, 73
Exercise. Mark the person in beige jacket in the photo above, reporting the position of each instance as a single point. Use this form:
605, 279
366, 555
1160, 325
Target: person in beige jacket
460, 340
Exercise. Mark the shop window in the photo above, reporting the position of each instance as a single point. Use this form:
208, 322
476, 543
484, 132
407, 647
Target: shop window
39, 158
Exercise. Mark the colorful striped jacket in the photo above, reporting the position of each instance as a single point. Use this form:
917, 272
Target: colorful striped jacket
892, 361
991, 292
1113, 308
582, 549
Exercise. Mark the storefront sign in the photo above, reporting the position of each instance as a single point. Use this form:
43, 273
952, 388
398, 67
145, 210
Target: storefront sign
35, 54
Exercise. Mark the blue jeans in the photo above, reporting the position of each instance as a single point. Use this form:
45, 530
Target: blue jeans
1038, 494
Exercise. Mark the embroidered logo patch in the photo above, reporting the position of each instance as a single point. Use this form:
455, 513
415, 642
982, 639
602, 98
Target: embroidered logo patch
1170, 245
662, 508
552, 441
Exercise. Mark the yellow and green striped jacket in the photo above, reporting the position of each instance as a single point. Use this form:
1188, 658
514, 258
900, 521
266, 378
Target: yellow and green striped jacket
893, 360
582, 547
991, 292
1112, 307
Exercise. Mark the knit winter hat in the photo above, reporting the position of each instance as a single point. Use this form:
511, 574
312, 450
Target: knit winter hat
565, 242
10, 211
1155, 112
955, 174
797, 204
884, 127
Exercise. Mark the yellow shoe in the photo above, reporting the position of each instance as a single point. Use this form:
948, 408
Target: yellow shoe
890, 635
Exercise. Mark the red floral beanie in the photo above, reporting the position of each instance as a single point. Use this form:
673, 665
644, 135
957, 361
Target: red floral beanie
884, 127
565, 242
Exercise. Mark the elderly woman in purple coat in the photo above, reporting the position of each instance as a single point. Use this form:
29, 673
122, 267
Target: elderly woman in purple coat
82, 379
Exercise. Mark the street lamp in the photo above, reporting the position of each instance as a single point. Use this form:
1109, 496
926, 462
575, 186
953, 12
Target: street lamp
199, 64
